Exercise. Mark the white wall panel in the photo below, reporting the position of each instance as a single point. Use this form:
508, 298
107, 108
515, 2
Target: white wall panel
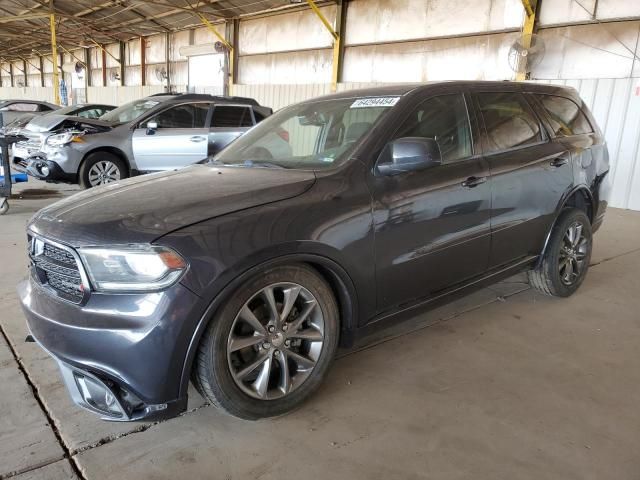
292, 31
156, 49
27, 93
204, 35
608, 9
120, 95
312, 66
589, 51
278, 96
133, 51
374, 21
565, 11
471, 58
178, 40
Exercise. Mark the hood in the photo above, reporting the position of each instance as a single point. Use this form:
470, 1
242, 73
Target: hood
144, 208
51, 121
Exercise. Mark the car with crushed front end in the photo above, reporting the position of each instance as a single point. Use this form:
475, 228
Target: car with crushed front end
246, 273
157, 133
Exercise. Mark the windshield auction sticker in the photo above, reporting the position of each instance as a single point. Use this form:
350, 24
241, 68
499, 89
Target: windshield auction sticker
375, 102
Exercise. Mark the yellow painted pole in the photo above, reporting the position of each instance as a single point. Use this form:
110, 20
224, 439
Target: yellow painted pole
530, 12
336, 44
54, 53
210, 26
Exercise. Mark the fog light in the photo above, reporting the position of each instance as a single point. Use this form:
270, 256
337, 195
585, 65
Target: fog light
97, 395
44, 170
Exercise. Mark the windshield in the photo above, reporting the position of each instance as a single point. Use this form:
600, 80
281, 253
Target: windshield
129, 111
66, 110
314, 135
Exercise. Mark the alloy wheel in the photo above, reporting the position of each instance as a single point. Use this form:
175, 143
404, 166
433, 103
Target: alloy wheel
573, 253
275, 341
103, 172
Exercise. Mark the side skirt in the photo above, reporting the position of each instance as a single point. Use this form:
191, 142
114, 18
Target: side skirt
449, 295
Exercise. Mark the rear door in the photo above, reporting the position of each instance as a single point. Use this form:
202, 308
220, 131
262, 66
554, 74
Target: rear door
432, 227
227, 124
181, 138
529, 172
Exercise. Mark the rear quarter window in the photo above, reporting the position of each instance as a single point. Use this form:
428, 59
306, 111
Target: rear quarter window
565, 116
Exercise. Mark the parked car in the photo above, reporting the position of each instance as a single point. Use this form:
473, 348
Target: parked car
11, 110
86, 110
245, 274
161, 132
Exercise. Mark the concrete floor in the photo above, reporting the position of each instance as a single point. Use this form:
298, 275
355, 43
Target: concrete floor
504, 384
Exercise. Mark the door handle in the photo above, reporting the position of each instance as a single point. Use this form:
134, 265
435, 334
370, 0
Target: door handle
197, 139
558, 162
473, 181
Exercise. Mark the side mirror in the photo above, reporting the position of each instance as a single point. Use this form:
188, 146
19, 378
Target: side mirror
152, 127
407, 155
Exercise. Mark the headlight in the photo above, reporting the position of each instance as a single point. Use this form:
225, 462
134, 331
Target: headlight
132, 268
64, 138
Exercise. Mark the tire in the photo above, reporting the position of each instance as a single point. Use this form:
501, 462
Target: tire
106, 166
223, 368
565, 262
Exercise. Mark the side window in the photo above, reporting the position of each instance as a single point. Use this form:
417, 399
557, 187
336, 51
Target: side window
182, 116
23, 107
444, 119
509, 121
44, 108
566, 117
230, 116
258, 116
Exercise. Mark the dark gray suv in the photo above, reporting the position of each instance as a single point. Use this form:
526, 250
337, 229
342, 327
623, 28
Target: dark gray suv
246, 273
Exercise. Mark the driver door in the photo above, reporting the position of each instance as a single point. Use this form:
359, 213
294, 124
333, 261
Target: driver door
180, 139
432, 226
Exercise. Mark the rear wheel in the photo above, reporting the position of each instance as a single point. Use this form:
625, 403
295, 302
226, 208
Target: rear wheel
101, 168
566, 260
270, 345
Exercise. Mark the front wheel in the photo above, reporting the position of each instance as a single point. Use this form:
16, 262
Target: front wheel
101, 168
270, 345
564, 265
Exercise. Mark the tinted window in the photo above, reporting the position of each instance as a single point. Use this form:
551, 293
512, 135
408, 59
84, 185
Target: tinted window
509, 121
445, 120
183, 116
23, 107
566, 117
45, 108
228, 116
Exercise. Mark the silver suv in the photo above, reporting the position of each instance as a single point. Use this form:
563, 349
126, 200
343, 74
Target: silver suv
160, 132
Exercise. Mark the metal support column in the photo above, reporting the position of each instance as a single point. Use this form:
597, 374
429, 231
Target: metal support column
122, 62
335, 72
42, 84
531, 8
54, 54
167, 40
143, 61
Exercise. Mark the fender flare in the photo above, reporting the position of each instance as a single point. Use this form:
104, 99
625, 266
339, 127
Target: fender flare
339, 273
561, 205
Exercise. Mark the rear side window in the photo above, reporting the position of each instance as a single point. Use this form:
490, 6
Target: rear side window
566, 117
444, 119
509, 121
23, 107
230, 116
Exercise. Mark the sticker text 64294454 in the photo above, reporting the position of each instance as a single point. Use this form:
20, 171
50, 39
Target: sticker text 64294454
375, 102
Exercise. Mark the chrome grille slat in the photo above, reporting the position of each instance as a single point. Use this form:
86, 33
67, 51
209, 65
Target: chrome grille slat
56, 268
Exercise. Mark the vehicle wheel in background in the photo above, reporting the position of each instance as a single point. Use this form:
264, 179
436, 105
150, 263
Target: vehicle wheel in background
270, 346
566, 259
101, 168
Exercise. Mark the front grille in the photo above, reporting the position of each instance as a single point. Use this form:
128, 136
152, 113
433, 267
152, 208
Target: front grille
56, 268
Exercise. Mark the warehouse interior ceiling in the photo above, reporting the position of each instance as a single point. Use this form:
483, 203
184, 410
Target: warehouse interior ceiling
24, 24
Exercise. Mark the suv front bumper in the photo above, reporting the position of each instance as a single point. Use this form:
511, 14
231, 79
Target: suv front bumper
121, 356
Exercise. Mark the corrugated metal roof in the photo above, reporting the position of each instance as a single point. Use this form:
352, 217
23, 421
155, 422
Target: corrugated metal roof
24, 24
